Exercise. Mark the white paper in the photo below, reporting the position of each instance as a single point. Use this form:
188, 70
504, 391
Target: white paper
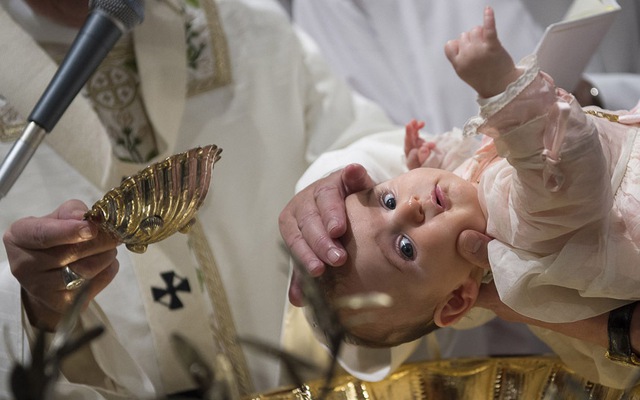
567, 46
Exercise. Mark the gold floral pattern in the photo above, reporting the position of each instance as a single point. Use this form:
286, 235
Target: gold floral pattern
114, 90
207, 53
490, 378
11, 123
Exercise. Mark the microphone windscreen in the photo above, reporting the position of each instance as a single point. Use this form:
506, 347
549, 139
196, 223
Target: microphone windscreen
127, 12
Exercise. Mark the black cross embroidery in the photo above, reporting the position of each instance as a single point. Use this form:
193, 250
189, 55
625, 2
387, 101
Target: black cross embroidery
174, 283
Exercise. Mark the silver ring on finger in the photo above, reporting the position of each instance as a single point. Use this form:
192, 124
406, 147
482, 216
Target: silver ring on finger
72, 281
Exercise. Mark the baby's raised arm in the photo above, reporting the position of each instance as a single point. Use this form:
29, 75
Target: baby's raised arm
480, 60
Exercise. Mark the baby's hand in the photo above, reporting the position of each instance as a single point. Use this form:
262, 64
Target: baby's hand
416, 149
480, 60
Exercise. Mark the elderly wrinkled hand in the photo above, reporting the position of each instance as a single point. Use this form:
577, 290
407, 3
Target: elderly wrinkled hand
38, 250
315, 218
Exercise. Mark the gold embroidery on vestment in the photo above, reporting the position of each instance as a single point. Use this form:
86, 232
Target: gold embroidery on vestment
11, 123
602, 114
114, 91
212, 70
223, 326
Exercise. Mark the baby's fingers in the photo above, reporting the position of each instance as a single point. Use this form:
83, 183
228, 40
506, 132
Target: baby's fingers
476, 34
412, 138
451, 49
425, 151
413, 159
489, 24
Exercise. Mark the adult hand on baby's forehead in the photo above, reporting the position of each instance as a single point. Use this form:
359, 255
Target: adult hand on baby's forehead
315, 218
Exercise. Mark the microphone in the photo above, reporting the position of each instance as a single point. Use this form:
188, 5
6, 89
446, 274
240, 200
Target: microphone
105, 24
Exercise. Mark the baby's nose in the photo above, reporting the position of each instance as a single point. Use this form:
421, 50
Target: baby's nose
411, 211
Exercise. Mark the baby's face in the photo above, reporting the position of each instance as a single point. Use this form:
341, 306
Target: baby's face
402, 238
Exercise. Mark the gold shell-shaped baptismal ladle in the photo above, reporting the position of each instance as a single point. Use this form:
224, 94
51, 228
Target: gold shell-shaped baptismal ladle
158, 201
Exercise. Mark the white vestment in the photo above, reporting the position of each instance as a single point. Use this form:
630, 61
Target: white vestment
282, 109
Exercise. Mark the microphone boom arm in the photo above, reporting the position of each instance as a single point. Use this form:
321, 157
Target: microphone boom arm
94, 41
105, 24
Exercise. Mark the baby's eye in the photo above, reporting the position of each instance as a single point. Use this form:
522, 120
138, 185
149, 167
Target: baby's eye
389, 201
406, 248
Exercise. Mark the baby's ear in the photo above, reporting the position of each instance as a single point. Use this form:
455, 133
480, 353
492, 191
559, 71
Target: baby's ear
458, 303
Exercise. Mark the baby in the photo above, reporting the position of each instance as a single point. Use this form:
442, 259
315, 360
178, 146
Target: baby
556, 185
